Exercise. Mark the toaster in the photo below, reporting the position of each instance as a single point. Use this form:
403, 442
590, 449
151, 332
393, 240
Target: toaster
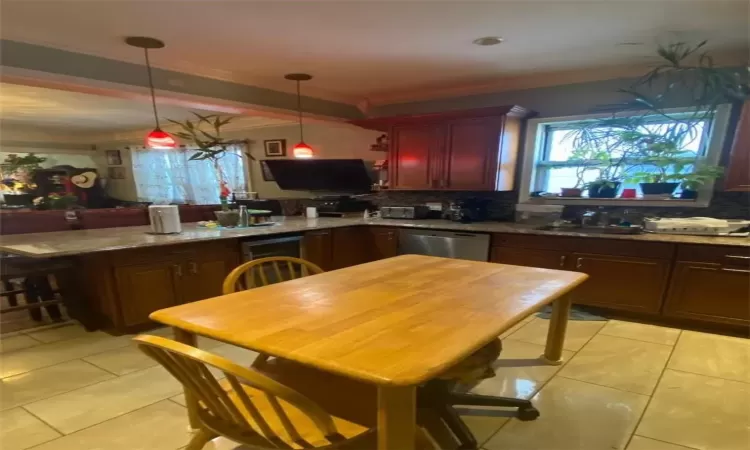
404, 212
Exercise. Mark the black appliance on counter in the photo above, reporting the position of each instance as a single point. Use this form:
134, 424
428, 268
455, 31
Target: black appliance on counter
340, 206
469, 210
405, 212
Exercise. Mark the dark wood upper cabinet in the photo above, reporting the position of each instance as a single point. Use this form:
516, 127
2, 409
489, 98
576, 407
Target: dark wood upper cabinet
467, 150
738, 168
415, 151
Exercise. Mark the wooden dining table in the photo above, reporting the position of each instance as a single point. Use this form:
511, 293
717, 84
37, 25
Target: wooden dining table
395, 323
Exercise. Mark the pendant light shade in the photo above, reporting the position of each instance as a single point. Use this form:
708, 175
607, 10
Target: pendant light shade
160, 139
300, 150
157, 139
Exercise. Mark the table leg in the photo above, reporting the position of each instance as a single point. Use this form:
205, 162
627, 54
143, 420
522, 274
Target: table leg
191, 402
397, 417
556, 333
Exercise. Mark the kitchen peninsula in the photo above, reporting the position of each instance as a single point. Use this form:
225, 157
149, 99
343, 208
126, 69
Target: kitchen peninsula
124, 274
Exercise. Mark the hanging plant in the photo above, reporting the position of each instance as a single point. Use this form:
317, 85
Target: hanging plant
205, 133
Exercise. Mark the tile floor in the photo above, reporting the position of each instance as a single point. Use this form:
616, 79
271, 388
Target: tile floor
623, 386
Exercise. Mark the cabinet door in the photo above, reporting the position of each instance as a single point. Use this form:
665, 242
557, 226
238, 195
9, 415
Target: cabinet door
415, 152
383, 243
471, 157
618, 282
738, 175
351, 246
146, 287
545, 259
709, 292
317, 247
203, 278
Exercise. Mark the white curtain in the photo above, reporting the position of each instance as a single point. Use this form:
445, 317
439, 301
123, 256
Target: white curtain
168, 176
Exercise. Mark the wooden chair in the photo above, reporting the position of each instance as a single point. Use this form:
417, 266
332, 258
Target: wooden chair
255, 409
264, 271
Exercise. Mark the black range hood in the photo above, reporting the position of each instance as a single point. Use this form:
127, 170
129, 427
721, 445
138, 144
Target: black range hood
333, 175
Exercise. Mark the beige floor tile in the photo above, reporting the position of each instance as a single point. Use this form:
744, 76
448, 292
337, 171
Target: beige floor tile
517, 326
519, 372
577, 334
44, 383
483, 425
641, 332
238, 355
61, 333
161, 426
94, 404
620, 363
713, 355
122, 360
50, 354
575, 416
642, 443
17, 342
179, 399
699, 412
20, 430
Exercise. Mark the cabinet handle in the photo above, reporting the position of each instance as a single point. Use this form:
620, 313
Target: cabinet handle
579, 263
193, 267
177, 270
736, 270
562, 260
737, 256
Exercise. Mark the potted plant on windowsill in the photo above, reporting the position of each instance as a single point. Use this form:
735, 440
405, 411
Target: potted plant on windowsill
694, 180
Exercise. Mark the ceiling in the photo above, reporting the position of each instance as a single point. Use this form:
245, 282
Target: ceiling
52, 109
382, 50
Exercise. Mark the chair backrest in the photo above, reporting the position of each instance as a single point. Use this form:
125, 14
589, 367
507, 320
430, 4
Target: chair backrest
265, 271
232, 418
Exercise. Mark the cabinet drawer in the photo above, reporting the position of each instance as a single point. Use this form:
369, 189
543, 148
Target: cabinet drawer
545, 259
709, 292
732, 256
619, 247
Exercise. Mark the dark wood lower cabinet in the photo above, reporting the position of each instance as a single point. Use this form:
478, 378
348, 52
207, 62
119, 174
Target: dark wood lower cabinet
709, 292
623, 283
144, 288
317, 247
546, 259
203, 277
383, 243
351, 246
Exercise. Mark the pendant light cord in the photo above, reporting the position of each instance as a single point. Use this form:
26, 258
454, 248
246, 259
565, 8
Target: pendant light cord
299, 110
151, 85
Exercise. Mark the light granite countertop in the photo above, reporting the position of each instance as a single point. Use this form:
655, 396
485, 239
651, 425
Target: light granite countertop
78, 242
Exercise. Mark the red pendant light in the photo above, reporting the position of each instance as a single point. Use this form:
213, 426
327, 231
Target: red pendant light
300, 150
157, 139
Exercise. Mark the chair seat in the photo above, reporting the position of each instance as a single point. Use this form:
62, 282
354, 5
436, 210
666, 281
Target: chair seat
476, 366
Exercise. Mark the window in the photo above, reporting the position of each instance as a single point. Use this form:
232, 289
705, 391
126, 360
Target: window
556, 156
168, 176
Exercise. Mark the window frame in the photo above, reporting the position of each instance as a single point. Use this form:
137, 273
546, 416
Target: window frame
536, 145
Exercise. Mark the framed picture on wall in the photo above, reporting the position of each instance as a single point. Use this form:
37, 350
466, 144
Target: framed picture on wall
116, 173
275, 148
267, 175
113, 158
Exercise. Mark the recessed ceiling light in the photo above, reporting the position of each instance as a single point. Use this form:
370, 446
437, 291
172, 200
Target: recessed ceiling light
631, 43
488, 40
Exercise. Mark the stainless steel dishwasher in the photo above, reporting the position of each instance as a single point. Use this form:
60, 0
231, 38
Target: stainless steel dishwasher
447, 244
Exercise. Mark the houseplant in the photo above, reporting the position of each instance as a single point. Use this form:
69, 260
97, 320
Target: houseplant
697, 178
205, 133
652, 140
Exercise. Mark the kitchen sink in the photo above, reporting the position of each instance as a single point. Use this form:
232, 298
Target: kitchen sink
591, 230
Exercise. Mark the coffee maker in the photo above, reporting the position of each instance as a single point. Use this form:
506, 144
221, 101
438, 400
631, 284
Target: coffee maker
469, 210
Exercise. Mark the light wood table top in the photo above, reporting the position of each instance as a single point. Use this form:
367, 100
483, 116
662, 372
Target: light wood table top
398, 321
